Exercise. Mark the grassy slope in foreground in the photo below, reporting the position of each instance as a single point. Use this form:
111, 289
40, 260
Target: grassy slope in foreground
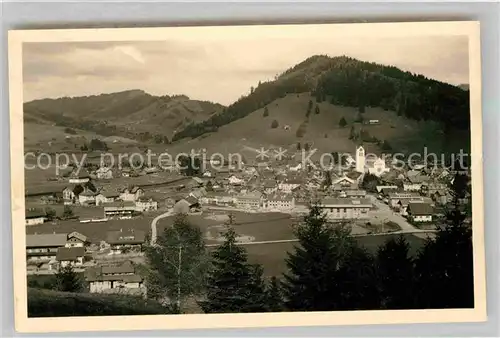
47, 303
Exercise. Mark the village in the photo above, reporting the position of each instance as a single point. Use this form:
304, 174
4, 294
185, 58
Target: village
105, 219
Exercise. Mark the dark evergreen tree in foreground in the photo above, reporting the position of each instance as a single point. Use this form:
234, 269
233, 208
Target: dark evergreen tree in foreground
310, 284
68, 280
444, 268
395, 274
233, 285
274, 295
356, 280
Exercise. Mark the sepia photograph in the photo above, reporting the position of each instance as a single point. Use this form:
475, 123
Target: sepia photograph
323, 173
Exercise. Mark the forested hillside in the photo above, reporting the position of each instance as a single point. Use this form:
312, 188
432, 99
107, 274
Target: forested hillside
345, 81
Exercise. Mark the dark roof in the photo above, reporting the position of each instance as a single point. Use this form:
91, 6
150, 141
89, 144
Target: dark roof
126, 267
347, 202
419, 208
78, 235
118, 204
82, 173
191, 200
418, 179
70, 254
109, 193
135, 189
125, 273
34, 213
46, 240
129, 237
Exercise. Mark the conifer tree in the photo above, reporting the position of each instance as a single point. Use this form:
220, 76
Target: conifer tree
311, 284
356, 280
232, 284
274, 295
444, 267
395, 274
67, 280
342, 122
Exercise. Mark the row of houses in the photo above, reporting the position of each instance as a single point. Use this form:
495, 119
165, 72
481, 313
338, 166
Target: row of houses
62, 248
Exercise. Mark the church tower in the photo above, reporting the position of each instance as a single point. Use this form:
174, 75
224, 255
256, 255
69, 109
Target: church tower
360, 159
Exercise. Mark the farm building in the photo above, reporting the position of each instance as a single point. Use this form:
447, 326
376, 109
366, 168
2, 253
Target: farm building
345, 208
35, 216
115, 279
121, 209
125, 241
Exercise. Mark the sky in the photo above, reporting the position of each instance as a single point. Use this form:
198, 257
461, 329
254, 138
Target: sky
220, 70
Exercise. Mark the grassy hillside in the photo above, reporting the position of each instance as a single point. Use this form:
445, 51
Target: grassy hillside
131, 114
47, 303
322, 131
383, 91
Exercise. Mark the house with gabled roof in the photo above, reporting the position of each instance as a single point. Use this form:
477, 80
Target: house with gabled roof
279, 202
70, 256
35, 216
76, 239
106, 196
120, 209
346, 208
125, 241
420, 212
104, 173
250, 200
79, 176
121, 278
43, 247
131, 193
146, 203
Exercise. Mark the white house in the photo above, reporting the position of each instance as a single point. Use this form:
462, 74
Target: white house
235, 180
297, 167
288, 186
87, 198
115, 279
414, 183
279, 202
346, 208
218, 199
131, 194
144, 203
76, 239
104, 173
70, 256
377, 167
120, 209
106, 196
34, 217
252, 200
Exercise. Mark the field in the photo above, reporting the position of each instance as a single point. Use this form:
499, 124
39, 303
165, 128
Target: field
272, 256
